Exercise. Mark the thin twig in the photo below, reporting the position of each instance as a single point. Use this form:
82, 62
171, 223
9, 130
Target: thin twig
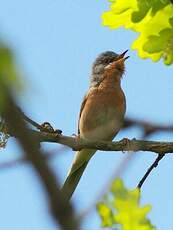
148, 127
45, 127
154, 165
29, 120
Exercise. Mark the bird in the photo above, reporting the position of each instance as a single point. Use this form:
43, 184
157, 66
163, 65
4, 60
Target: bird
101, 114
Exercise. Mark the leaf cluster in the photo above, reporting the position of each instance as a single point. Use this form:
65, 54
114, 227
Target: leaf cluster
152, 19
120, 209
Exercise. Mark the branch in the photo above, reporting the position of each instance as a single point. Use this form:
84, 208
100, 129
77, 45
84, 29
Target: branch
154, 165
148, 127
132, 145
60, 209
48, 134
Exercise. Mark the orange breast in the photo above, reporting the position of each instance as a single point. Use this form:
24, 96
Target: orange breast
104, 105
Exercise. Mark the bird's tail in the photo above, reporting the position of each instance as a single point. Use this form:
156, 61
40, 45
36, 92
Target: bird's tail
78, 166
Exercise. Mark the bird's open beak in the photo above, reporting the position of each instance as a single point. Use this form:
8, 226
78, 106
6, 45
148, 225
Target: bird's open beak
121, 56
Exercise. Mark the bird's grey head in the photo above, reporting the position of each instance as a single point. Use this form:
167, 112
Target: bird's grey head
100, 63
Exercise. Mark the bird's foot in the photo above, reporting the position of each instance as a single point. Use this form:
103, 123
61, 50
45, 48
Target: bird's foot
127, 144
76, 136
47, 127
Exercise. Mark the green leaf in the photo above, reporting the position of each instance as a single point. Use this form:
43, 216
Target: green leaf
9, 74
122, 207
8, 71
152, 19
106, 215
145, 5
120, 14
162, 42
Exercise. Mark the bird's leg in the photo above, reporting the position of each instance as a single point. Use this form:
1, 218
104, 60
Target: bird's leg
47, 127
76, 136
127, 144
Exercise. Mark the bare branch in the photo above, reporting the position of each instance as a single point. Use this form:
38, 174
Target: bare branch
45, 127
154, 165
29, 120
60, 209
148, 127
78, 144
48, 134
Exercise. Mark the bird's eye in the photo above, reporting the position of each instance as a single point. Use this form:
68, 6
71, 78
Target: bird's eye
108, 61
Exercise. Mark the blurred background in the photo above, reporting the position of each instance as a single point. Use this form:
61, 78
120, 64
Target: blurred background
55, 43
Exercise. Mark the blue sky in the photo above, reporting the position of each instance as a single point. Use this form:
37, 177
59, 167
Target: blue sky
55, 43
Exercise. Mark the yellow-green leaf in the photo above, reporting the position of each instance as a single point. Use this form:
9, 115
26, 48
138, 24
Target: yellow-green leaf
106, 215
121, 206
148, 18
9, 74
8, 70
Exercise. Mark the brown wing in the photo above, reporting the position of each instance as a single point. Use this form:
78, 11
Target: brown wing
81, 109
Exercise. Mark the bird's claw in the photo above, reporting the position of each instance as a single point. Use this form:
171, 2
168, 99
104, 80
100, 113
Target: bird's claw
47, 127
127, 143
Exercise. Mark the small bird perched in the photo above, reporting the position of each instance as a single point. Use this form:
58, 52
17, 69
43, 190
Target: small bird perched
101, 114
